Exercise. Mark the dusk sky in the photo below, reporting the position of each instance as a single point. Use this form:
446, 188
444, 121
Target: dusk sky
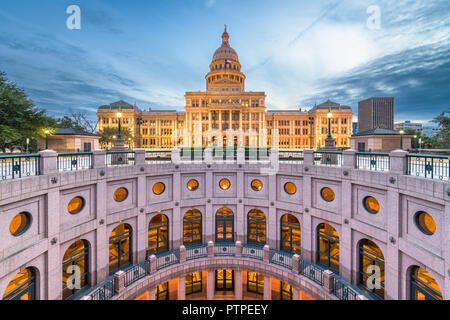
299, 52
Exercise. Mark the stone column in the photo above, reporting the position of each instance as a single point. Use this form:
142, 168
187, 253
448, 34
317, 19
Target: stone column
308, 157
295, 263
177, 224
271, 226
398, 163
54, 258
267, 289
139, 157
182, 254
48, 162
306, 238
176, 156
182, 288
119, 282
349, 159
345, 234
210, 286
152, 264
98, 159
238, 249
241, 155
266, 254
210, 249
328, 281
238, 285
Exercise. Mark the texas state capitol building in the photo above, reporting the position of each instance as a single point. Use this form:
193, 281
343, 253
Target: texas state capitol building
226, 105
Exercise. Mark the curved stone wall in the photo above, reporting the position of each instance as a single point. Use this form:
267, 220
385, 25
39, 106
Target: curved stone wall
393, 228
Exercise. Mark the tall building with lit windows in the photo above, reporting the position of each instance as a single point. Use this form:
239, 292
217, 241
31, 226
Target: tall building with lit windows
226, 105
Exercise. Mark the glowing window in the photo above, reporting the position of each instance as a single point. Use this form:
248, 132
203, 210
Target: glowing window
20, 223
425, 223
224, 184
192, 185
75, 259
371, 204
257, 185
158, 188
290, 188
22, 286
120, 194
423, 285
327, 194
75, 205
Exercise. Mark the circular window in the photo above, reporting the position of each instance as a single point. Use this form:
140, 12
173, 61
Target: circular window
224, 184
327, 194
290, 188
371, 204
75, 205
158, 188
425, 223
192, 185
257, 185
120, 194
20, 223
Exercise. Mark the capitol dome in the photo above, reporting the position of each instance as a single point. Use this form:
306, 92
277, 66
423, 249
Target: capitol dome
225, 52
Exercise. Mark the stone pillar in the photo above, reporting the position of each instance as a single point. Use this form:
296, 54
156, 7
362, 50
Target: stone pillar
210, 286
209, 156
398, 163
98, 159
271, 226
152, 268
308, 155
241, 155
349, 159
176, 156
119, 282
48, 162
182, 254
238, 285
139, 157
182, 288
266, 253
328, 281
267, 289
210, 249
177, 216
345, 234
238, 249
295, 263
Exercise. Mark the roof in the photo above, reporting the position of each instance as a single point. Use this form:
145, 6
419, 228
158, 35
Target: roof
329, 105
121, 104
72, 132
377, 131
225, 52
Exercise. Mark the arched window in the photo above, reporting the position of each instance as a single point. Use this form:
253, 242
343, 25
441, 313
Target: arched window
328, 247
290, 234
256, 227
192, 227
423, 285
371, 268
75, 268
158, 234
224, 225
286, 291
162, 291
120, 247
22, 286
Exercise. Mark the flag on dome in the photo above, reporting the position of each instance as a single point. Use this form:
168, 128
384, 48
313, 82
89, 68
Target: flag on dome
227, 61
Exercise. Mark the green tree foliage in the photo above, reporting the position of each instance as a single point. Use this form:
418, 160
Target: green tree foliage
107, 136
443, 137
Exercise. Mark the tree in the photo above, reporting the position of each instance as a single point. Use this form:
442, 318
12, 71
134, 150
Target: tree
108, 135
81, 119
66, 122
443, 136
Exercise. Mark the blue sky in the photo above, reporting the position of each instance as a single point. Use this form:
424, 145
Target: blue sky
298, 52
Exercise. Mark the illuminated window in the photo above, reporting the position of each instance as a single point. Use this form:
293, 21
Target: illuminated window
120, 194
162, 292
286, 292
120, 248
256, 227
255, 283
290, 188
224, 184
290, 234
75, 268
75, 205
20, 224
22, 286
192, 227
327, 194
158, 188
328, 247
224, 280
371, 205
224, 225
423, 285
192, 185
257, 185
371, 268
158, 234
425, 223
194, 283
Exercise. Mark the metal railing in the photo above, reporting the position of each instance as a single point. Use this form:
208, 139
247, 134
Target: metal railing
19, 166
291, 156
158, 156
74, 161
192, 154
135, 273
104, 291
167, 258
373, 161
223, 249
432, 167
328, 158
281, 258
256, 154
343, 290
311, 271
120, 158
253, 251
225, 153
196, 251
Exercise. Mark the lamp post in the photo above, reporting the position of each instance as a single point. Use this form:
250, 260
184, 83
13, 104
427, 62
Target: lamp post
329, 115
139, 122
311, 123
47, 132
119, 116
401, 139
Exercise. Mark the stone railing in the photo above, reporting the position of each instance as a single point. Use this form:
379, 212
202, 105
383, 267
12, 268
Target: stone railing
293, 263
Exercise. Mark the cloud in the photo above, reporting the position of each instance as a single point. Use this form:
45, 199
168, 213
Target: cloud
210, 3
